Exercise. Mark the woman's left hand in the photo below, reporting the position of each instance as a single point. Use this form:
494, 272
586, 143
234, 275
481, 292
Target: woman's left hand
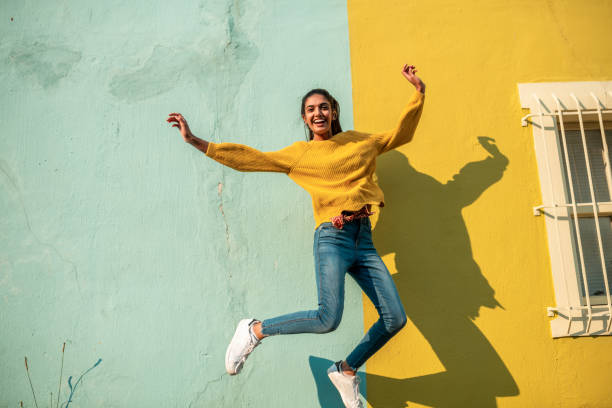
409, 71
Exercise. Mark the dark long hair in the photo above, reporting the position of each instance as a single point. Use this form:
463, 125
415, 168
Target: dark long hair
335, 107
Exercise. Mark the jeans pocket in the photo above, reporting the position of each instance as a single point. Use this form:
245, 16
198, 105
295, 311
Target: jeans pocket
326, 226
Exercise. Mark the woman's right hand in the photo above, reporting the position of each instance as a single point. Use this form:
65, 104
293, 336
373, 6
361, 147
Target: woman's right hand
181, 123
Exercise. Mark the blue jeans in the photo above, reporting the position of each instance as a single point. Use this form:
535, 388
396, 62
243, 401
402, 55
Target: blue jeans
337, 252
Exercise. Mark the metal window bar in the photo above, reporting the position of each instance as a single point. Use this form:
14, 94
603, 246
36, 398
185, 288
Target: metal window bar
559, 114
602, 257
606, 156
606, 152
568, 170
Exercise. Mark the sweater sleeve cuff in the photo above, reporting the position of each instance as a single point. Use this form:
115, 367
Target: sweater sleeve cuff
417, 99
210, 151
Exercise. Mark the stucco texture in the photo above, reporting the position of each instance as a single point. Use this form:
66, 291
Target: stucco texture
469, 258
132, 247
129, 245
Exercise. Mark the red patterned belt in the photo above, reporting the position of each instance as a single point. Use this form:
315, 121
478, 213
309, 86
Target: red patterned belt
347, 216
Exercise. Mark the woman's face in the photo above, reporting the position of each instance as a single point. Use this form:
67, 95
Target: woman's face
318, 116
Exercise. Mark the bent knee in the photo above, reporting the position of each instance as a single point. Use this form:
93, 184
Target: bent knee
329, 327
396, 323
329, 322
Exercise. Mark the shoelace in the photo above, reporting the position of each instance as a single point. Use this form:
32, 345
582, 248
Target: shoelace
249, 350
253, 342
357, 404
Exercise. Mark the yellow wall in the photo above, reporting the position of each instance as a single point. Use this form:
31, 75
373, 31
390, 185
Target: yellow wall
456, 248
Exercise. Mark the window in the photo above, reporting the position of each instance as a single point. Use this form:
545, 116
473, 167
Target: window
572, 129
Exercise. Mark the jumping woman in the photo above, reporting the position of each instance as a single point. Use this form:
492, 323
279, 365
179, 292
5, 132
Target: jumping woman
337, 169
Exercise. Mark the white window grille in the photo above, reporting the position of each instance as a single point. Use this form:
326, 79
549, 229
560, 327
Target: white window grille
572, 129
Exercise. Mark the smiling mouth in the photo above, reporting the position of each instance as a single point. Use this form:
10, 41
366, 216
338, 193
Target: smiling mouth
320, 122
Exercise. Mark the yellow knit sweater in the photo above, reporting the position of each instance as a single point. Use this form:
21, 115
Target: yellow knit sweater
338, 172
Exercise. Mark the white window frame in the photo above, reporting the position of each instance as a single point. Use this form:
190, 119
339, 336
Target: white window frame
555, 107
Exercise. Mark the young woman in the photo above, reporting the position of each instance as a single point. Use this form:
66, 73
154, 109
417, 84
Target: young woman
337, 169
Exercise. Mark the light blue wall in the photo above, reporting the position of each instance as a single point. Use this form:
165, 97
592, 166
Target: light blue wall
127, 243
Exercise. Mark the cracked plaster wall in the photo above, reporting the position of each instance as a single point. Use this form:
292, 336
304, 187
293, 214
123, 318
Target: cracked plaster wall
130, 245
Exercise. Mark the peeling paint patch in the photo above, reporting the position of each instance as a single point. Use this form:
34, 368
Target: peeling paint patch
221, 54
159, 73
45, 64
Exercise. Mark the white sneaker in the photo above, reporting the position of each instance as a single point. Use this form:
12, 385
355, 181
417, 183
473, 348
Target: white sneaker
347, 386
242, 344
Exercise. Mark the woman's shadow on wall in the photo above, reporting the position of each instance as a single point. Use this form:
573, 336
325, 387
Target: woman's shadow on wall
440, 284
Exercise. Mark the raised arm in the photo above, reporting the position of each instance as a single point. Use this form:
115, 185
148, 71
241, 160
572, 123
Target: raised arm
409, 120
240, 157
244, 158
